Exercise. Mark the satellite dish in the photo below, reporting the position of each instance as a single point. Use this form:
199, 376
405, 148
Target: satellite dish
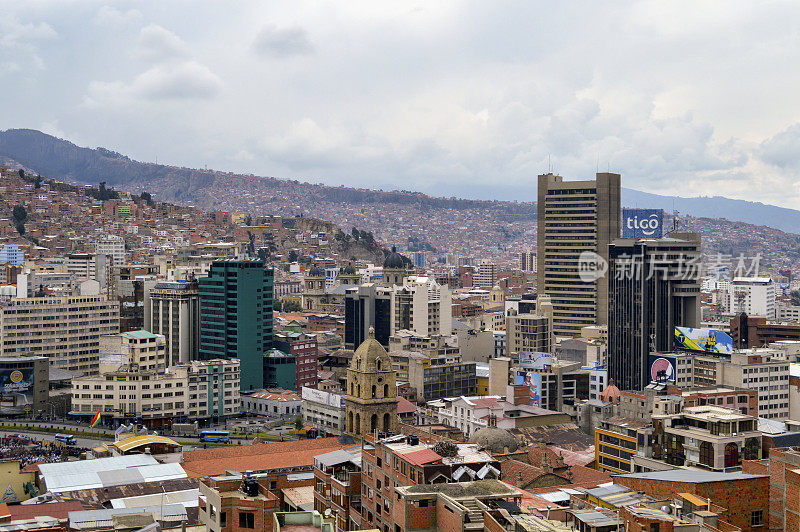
581, 506
667, 509
143, 431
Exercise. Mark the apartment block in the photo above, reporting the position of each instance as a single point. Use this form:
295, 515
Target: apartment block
66, 329
173, 310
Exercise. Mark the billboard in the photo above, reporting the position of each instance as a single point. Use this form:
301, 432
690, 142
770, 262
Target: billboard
16, 391
326, 398
662, 368
642, 223
534, 382
536, 360
703, 340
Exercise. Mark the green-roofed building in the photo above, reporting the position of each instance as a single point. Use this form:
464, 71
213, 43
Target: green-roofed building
236, 316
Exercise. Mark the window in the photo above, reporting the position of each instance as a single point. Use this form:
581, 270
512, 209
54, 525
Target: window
247, 520
223, 519
757, 518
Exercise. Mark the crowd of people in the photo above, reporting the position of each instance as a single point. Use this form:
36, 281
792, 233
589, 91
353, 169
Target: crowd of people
31, 451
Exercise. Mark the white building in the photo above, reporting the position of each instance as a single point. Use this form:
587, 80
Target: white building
323, 410
424, 306
112, 245
276, 404
754, 296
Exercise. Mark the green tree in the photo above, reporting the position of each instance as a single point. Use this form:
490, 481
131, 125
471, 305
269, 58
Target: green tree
292, 255
248, 221
19, 213
21, 173
298, 422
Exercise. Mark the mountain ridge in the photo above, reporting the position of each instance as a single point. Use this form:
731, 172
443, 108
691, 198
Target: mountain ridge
65, 160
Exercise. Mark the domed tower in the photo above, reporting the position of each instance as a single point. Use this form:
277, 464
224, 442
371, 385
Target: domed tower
371, 403
314, 288
394, 269
349, 276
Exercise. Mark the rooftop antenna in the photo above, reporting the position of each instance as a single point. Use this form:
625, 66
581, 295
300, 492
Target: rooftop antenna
549, 167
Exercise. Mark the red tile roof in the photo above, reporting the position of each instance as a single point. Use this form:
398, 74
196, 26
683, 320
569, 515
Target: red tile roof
257, 457
422, 457
56, 510
404, 406
31, 468
485, 403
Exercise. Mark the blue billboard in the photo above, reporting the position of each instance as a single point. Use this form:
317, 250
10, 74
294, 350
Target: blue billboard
642, 223
703, 340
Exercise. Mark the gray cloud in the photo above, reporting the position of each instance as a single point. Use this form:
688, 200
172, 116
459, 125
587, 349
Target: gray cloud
279, 42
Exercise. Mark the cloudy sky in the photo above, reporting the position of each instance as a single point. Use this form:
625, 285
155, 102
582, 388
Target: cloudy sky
471, 99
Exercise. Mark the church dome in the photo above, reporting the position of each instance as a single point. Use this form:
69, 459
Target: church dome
394, 261
495, 440
370, 356
611, 393
349, 269
316, 271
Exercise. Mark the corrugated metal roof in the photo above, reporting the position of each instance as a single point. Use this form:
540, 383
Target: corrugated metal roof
102, 472
188, 498
95, 519
143, 439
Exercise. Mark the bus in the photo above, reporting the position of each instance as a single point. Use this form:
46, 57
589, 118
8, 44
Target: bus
223, 436
66, 438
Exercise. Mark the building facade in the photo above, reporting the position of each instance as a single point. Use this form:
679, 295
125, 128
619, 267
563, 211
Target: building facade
66, 330
173, 310
575, 218
654, 286
236, 316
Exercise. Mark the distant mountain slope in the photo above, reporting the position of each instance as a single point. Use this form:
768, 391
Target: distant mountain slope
751, 212
64, 160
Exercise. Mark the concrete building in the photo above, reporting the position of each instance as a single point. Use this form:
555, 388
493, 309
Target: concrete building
111, 245
172, 309
485, 275
280, 370
528, 332
11, 254
757, 331
24, 385
236, 316
527, 261
574, 218
654, 286
755, 296
199, 391
324, 411
277, 404
58, 328
337, 487
434, 377
365, 306
423, 306
708, 437
237, 503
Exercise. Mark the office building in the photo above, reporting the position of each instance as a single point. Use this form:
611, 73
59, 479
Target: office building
324, 411
757, 331
173, 310
365, 306
113, 246
575, 217
423, 306
654, 286
433, 377
304, 348
527, 261
236, 316
418, 257
66, 330
755, 296
11, 254
280, 370
485, 275
528, 332
138, 392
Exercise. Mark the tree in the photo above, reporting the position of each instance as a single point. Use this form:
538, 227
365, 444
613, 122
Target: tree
147, 198
356, 233
292, 255
21, 173
248, 221
38, 183
251, 245
298, 422
19, 213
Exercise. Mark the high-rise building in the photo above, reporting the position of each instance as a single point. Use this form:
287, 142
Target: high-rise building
418, 257
173, 309
527, 261
422, 305
575, 218
755, 296
67, 329
485, 275
236, 316
528, 332
654, 286
365, 306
